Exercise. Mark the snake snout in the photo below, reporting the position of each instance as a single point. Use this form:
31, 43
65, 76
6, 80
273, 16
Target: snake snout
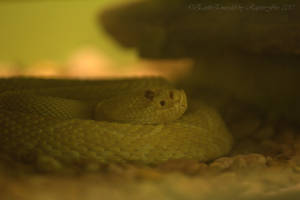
181, 98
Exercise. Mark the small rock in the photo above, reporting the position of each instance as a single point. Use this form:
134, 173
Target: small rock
250, 161
221, 164
238, 162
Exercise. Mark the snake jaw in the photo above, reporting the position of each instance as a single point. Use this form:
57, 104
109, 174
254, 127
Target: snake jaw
183, 102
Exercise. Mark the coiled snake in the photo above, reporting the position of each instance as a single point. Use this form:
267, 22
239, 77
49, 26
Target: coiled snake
144, 120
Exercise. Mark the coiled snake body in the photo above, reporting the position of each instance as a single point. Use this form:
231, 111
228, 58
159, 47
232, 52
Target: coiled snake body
144, 120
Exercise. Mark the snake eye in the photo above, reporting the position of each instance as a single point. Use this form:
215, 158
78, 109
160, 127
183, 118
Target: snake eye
149, 94
162, 103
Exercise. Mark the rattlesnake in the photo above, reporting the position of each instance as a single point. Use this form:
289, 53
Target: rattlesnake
142, 120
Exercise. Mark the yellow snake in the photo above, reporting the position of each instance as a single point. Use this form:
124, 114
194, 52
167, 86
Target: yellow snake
131, 120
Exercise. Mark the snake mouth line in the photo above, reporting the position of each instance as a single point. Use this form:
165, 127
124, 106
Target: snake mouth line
183, 99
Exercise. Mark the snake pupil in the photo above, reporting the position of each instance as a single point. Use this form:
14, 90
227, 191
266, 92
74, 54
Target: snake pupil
162, 103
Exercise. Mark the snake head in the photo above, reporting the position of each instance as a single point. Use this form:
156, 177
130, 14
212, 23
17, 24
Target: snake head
150, 106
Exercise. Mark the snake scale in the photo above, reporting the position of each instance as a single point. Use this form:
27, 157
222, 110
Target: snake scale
142, 120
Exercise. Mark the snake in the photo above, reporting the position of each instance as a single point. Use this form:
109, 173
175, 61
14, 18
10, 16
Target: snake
143, 120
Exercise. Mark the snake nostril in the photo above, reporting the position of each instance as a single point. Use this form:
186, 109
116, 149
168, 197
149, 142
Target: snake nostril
149, 94
162, 103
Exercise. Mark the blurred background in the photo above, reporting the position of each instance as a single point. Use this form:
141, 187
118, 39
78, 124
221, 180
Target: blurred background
65, 39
